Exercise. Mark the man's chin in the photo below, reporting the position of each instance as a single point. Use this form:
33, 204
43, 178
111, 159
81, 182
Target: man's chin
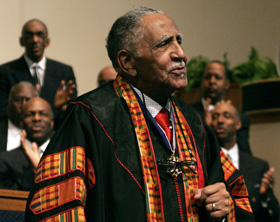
35, 57
180, 84
221, 139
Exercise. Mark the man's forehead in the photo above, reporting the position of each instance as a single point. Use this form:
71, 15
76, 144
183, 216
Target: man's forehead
37, 104
214, 66
158, 20
22, 91
224, 108
34, 26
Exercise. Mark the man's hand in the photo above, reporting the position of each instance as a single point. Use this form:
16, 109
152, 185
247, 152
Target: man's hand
63, 95
215, 198
267, 183
31, 152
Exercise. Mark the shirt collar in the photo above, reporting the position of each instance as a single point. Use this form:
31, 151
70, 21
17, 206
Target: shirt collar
231, 151
42, 148
13, 128
152, 106
41, 64
210, 107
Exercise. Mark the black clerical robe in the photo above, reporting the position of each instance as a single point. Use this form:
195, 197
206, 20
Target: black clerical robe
91, 169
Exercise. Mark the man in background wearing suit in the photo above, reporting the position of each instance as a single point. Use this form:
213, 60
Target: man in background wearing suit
10, 127
52, 79
213, 86
257, 174
17, 167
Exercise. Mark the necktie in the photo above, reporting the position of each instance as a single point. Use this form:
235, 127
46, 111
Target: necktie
35, 76
163, 120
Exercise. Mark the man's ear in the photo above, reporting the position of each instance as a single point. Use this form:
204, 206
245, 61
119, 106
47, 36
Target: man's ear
21, 41
126, 62
47, 42
227, 84
238, 125
52, 124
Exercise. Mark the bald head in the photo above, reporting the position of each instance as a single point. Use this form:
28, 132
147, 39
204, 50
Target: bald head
225, 123
37, 120
106, 74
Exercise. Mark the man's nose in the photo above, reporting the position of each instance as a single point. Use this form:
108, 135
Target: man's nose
24, 100
35, 38
213, 79
220, 119
37, 117
178, 52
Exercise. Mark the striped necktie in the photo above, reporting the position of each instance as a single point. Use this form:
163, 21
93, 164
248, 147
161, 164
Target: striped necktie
35, 75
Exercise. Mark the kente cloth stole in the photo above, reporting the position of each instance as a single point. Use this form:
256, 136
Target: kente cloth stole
153, 192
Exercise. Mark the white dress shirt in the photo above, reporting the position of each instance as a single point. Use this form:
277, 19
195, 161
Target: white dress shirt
13, 137
42, 148
40, 70
154, 108
210, 107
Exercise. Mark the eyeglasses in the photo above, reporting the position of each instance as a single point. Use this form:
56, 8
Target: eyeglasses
20, 99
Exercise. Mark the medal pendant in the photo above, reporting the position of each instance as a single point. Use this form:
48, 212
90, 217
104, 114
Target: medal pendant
176, 169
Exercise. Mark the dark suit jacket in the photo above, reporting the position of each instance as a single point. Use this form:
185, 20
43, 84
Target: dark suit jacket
253, 169
3, 134
16, 71
15, 170
242, 134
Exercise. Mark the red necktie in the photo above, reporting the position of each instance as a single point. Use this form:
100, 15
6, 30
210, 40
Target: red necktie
163, 120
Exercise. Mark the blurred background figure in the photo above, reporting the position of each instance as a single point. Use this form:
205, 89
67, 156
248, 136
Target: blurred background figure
257, 174
54, 81
106, 74
213, 86
10, 127
17, 167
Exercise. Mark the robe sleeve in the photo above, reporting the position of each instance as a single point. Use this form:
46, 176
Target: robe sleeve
65, 173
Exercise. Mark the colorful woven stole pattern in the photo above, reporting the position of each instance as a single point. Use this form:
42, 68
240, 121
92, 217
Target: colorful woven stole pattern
191, 178
236, 188
154, 205
74, 214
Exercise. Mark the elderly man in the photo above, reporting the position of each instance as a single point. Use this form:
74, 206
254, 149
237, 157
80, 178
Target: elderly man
55, 81
10, 127
128, 151
257, 174
17, 166
213, 86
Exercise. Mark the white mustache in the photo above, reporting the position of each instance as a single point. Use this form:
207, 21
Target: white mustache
177, 65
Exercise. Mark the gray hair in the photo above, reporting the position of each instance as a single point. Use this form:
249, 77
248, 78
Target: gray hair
126, 33
19, 85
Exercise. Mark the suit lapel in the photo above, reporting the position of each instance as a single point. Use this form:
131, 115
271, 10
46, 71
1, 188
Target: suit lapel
244, 164
21, 71
48, 77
